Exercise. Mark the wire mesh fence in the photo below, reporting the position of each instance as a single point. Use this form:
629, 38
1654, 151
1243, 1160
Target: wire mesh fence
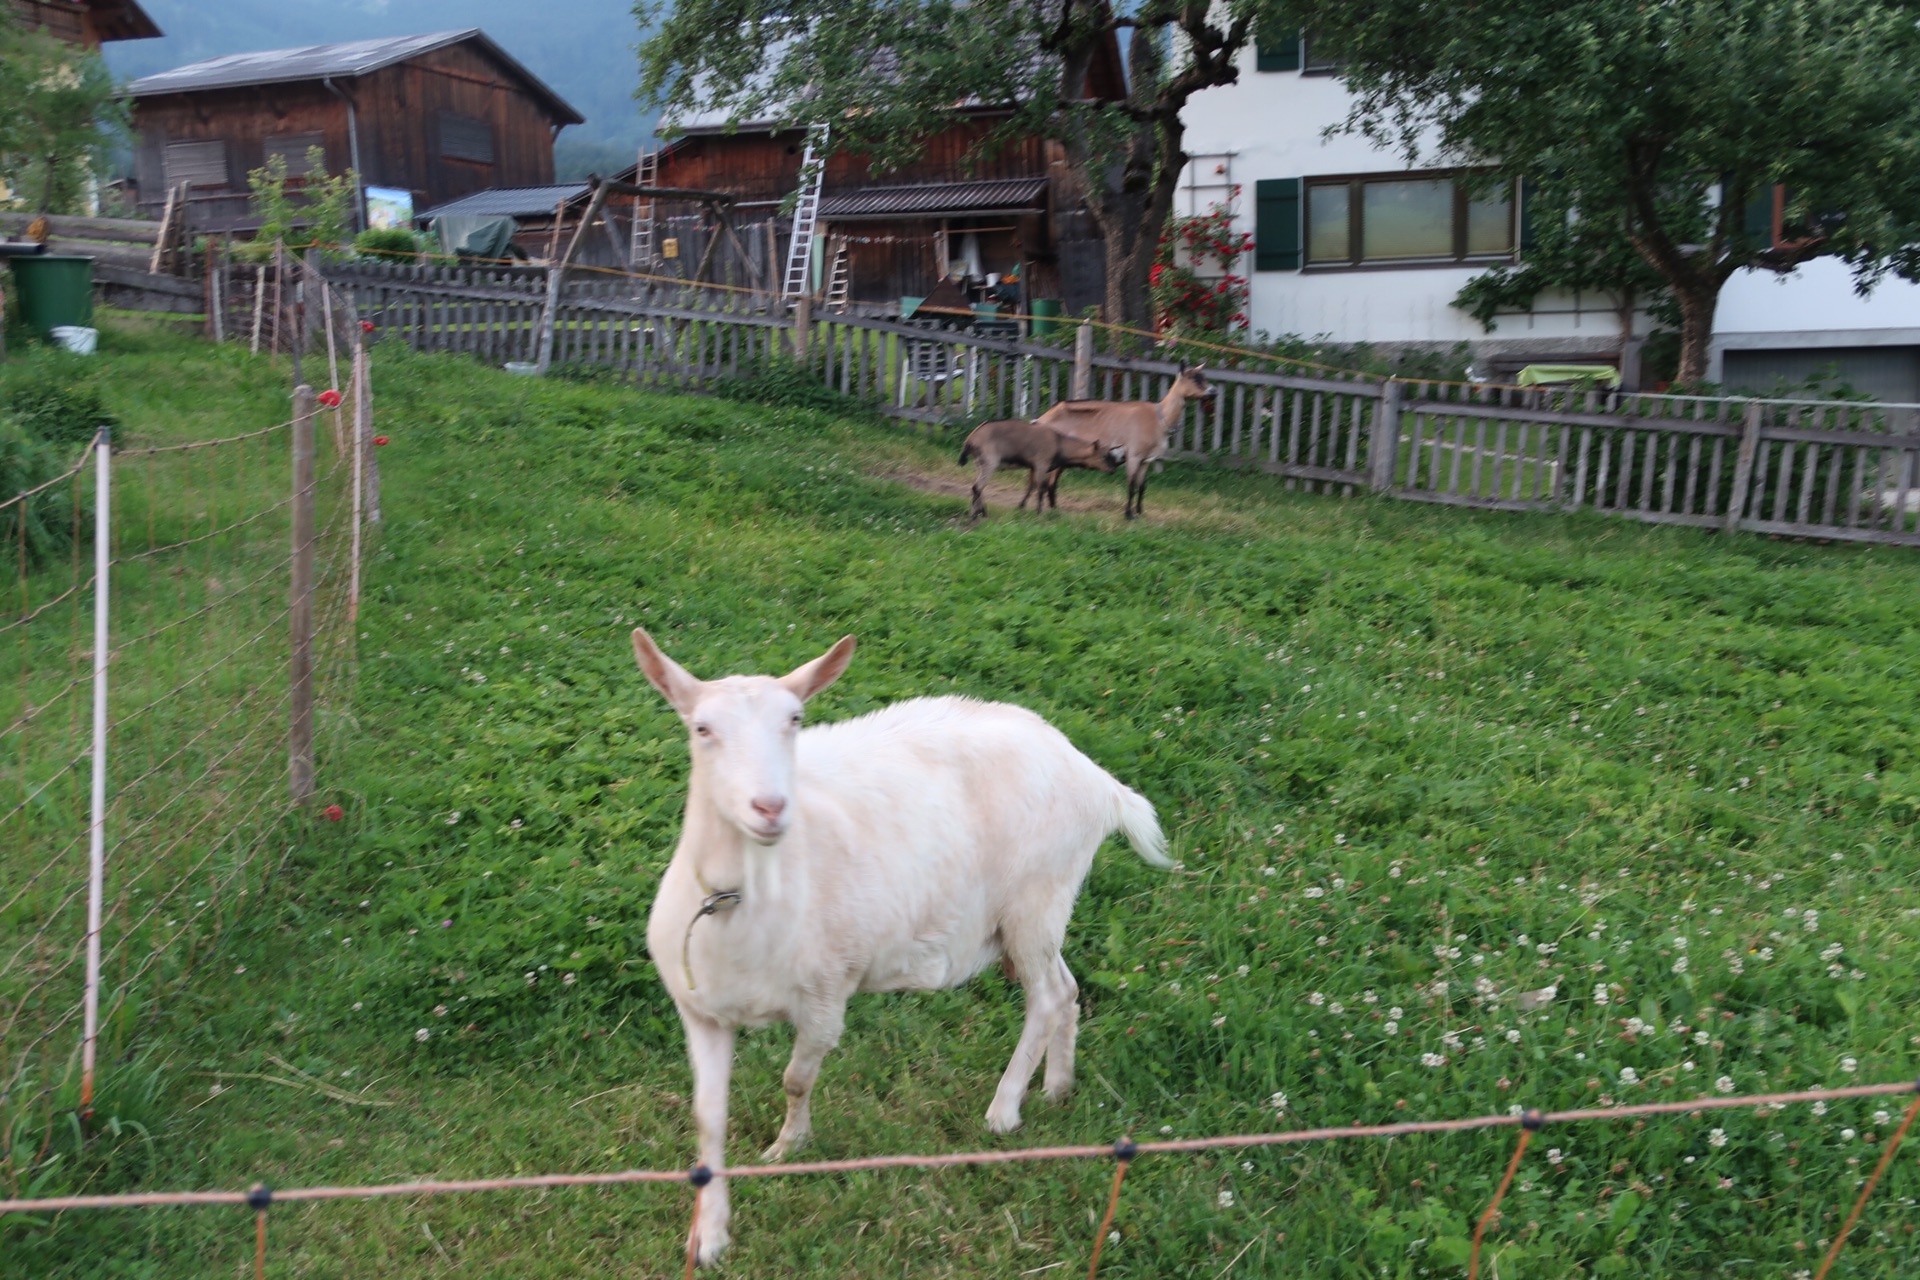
178, 633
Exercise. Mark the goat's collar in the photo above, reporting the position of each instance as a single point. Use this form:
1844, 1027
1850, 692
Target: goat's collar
712, 902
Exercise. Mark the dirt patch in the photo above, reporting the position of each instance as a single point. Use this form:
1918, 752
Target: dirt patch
1000, 493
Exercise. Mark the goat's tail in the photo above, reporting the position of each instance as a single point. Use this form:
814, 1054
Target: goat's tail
966, 451
1133, 814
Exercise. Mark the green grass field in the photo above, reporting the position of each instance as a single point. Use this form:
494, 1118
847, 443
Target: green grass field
1416, 762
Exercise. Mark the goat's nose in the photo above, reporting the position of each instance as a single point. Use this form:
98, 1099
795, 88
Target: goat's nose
769, 807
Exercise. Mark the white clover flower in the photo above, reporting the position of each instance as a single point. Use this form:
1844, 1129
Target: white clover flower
1881, 1118
1513, 1037
1555, 1156
1225, 1200
1336, 1008
1701, 1037
1315, 891
1278, 1101
1718, 1138
1848, 1135
1680, 965
1724, 1084
1396, 1013
1819, 1108
1220, 1021
1315, 998
422, 1034
1849, 1065
1629, 1076
1433, 1060
453, 817
1600, 993
1392, 1028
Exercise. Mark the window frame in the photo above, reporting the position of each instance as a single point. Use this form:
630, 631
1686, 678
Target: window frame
462, 120
1355, 184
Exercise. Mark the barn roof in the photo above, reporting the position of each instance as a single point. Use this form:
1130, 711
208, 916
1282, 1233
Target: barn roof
933, 198
348, 59
509, 202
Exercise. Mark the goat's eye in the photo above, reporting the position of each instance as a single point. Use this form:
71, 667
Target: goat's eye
795, 722
703, 731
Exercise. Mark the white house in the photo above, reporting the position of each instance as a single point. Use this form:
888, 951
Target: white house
1353, 246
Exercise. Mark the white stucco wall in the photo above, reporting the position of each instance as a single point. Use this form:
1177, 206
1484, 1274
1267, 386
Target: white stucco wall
1273, 125
1818, 297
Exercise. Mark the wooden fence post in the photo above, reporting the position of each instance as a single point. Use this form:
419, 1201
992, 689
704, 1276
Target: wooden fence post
300, 605
802, 328
1743, 465
543, 350
1383, 449
1081, 387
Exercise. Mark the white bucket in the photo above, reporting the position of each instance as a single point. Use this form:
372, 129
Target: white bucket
525, 368
76, 338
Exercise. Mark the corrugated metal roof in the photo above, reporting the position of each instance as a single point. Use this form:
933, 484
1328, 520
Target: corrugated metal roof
933, 198
510, 202
319, 61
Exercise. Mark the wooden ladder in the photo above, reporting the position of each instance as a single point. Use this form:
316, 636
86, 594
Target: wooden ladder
640, 251
806, 213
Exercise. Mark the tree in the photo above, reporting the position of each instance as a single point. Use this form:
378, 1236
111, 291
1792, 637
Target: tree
1563, 249
1668, 120
62, 116
886, 75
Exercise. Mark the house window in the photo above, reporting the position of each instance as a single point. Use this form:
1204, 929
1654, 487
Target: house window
465, 138
1319, 56
1405, 218
293, 147
204, 164
1292, 51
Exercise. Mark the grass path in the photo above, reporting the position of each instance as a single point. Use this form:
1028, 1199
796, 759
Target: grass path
1416, 762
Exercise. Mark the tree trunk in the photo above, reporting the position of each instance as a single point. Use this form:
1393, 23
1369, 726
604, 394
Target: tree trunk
1130, 189
1697, 303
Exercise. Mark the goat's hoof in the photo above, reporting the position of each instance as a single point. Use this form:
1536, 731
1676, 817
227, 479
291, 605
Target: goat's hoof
711, 1245
783, 1146
999, 1121
1059, 1092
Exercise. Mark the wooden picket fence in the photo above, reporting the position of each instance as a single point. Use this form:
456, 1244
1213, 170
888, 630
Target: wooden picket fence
1839, 470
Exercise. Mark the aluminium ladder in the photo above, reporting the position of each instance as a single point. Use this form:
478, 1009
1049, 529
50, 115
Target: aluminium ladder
838, 274
806, 213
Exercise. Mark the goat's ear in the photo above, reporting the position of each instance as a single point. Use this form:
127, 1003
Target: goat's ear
805, 681
676, 685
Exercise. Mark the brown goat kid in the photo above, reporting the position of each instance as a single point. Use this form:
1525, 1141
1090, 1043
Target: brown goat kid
1015, 442
1140, 427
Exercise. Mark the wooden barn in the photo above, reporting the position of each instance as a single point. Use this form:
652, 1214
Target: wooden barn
86, 23
934, 229
439, 115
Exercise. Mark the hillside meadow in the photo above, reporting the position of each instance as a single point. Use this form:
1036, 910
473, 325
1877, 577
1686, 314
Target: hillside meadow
1416, 763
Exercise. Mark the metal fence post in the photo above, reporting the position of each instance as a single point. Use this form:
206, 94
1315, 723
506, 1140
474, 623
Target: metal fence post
1383, 449
97, 828
1743, 466
300, 604
1081, 387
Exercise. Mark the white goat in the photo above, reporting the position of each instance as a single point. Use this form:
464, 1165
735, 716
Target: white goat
905, 850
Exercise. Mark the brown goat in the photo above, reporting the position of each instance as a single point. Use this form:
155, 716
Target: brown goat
1140, 427
1015, 442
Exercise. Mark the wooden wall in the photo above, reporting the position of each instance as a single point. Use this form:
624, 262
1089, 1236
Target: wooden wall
402, 119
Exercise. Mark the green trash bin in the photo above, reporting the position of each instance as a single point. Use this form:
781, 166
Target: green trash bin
1046, 315
55, 289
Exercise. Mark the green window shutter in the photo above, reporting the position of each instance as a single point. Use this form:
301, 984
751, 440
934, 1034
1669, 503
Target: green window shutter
1278, 53
1760, 218
1276, 224
1527, 240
